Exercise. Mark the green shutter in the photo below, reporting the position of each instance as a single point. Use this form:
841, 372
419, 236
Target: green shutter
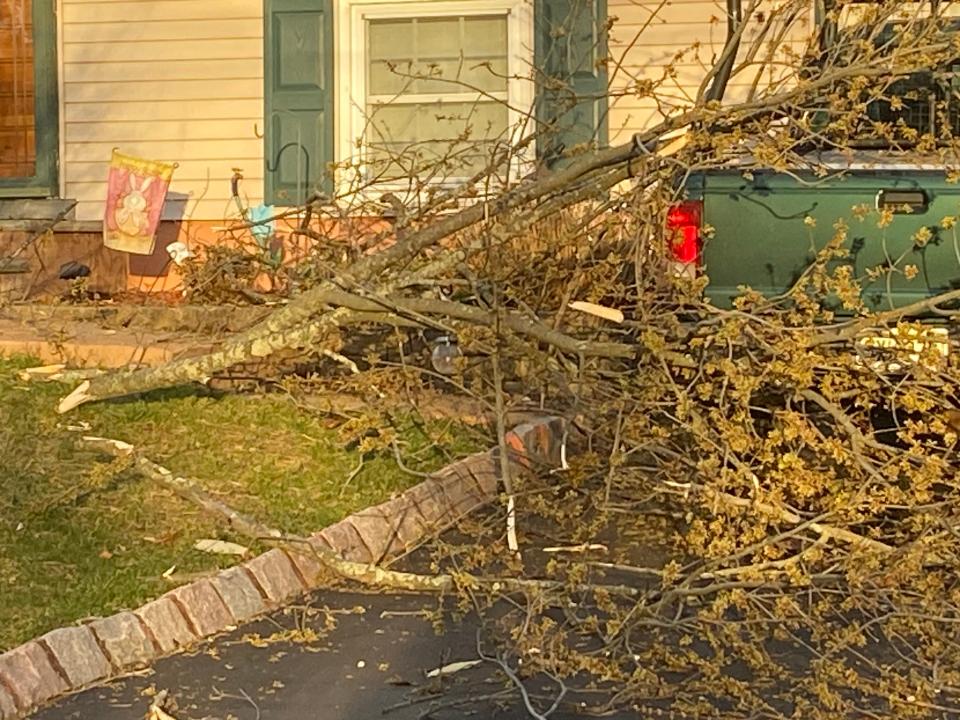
570, 42
44, 182
298, 74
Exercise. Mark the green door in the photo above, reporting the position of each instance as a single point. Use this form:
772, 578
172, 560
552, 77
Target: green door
298, 75
29, 121
569, 47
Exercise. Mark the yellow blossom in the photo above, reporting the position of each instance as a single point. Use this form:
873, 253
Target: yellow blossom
922, 236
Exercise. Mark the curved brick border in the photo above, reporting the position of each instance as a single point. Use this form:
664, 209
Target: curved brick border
71, 658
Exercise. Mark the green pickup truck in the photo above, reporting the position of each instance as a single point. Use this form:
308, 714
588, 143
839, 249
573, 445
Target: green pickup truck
766, 226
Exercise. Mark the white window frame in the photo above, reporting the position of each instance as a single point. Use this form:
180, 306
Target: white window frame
350, 68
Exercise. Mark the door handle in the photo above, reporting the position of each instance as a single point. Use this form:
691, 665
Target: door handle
903, 202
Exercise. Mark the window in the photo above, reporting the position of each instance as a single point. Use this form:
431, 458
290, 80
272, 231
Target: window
28, 99
433, 84
436, 92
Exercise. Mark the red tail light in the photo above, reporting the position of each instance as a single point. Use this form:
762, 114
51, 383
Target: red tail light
684, 222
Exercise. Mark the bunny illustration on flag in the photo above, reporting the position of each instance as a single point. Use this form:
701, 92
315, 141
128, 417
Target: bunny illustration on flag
136, 191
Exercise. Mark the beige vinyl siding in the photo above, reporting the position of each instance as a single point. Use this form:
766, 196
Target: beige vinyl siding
182, 80
173, 80
683, 35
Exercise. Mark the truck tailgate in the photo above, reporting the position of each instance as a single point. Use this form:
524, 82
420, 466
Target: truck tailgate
762, 237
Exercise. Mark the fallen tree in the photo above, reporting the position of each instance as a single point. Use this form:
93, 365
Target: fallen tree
809, 483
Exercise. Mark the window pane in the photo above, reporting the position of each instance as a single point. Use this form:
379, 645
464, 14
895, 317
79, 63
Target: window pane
485, 37
17, 117
434, 122
391, 39
395, 122
438, 37
416, 136
447, 55
389, 78
463, 75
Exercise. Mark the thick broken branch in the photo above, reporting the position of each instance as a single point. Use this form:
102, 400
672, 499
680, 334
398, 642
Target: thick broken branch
303, 336
186, 488
479, 316
291, 325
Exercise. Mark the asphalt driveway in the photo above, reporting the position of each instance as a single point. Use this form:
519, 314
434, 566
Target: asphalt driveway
339, 656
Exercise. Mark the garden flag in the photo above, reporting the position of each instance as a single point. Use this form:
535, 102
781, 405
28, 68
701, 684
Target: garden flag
136, 191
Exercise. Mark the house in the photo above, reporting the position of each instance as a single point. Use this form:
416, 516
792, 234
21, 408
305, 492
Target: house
282, 88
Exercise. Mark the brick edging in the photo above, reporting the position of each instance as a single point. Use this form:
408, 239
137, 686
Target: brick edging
72, 658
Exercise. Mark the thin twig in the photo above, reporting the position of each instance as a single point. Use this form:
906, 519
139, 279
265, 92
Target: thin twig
349, 479
184, 487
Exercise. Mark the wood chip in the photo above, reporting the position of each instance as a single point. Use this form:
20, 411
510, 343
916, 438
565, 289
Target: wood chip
453, 668
600, 311
44, 371
220, 547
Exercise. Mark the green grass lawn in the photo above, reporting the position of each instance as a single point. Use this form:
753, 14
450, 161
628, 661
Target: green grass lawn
82, 536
